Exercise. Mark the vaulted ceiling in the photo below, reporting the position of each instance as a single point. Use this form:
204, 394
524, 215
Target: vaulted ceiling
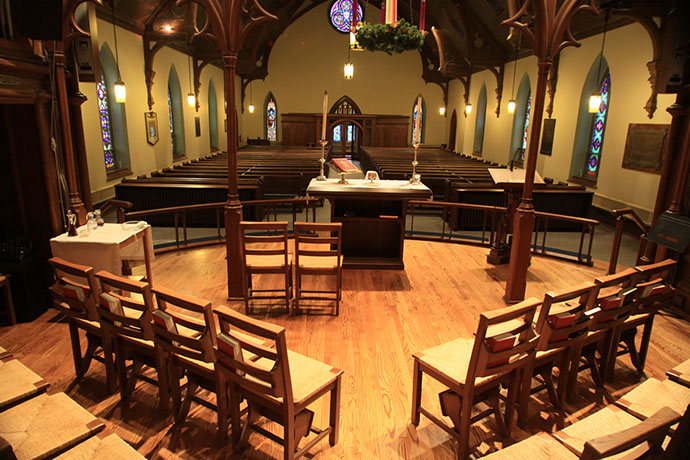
471, 32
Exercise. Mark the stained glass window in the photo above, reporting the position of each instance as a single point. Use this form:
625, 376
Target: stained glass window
341, 14
350, 133
104, 114
271, 127
524, 134
417, 124
594, 155
172, 125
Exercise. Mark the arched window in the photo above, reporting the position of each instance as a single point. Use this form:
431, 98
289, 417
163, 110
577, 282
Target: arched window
521, 117
345, 106
113, 121
271, 118
341, 14
481, 120
212, 116
418, 120
176, 115
452, 131
591, 127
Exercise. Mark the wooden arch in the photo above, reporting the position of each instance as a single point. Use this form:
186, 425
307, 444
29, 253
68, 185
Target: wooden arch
347, 99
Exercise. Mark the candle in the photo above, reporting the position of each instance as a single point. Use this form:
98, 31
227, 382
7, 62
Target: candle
383, 12
353, 25
422, 15
325, 115
391, 11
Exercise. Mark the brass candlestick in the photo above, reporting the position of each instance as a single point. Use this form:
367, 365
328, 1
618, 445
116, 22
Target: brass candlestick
414, 164
323, 143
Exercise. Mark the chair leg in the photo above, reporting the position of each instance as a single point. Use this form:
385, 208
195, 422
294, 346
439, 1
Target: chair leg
289, 443
464, 428
164, 381
91, 347
222, 405
513, 390
76, 347
563, 368
234, 404
546, 373
298, 291
252, 416
493, 402
136, 370
110, 372
416, 392
121, 369
525, 396
335, 413
644, 342
247, 287
628, 338
575, 357
192, 385
339, 288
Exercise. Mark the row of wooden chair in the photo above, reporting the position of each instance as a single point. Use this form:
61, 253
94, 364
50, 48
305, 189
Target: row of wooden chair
317, 252
37, 425
587, 324
245, 359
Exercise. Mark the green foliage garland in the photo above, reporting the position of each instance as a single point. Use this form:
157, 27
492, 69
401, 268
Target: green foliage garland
383, 37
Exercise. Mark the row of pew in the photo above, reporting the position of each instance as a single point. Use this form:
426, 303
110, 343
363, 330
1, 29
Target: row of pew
263, 173
36, 425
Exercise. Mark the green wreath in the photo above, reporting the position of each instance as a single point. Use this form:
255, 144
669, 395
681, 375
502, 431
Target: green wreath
383, 37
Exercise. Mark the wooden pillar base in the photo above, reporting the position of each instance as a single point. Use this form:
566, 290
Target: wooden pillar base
499, 254
233, 217
523, 226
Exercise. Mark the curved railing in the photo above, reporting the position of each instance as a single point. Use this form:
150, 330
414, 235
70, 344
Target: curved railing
266, 209
494, 229
621, 215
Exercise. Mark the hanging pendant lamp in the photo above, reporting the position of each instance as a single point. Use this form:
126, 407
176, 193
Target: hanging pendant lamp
119, 86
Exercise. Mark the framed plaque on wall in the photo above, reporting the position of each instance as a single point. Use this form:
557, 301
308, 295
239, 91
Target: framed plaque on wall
644, 146
151, 127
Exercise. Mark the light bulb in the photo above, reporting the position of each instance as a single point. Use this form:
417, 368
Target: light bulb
511, 106
468, 109
442, 110
167, 28
349, 71
191, 100
594, 102
120, 91
251, 108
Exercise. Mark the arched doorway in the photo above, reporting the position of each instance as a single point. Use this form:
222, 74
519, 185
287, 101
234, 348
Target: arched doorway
453, 129
346, 134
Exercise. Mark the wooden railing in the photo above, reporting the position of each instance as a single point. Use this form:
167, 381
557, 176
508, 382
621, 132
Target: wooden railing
494, 224
269, 209
115, 205
621, 215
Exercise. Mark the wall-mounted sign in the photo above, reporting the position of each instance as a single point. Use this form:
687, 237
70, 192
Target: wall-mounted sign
151, 127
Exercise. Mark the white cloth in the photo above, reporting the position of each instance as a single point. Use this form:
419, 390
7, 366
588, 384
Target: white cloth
104, 248
363, 185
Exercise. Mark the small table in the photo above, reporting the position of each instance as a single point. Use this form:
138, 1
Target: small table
373, 218
106, 247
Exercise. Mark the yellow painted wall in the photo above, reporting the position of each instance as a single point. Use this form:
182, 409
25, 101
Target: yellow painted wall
628, 49
146, 158
308, 58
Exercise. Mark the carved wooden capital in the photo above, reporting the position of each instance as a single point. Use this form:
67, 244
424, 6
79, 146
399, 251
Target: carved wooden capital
650, 106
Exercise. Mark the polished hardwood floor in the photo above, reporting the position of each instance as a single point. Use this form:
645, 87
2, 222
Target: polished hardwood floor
385, 317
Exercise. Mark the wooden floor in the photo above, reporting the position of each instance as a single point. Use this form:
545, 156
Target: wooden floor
385, 317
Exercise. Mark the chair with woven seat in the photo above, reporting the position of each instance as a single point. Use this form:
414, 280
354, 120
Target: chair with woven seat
278, 384
681, 373
653, 394
111, 447
47, 425
77, 301
597, 436
654, 293
318, 252
185, 344
562, 324
611, 304
474, 369
18, 383
265, 253
125, 308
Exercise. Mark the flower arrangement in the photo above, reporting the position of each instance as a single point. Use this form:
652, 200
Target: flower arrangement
395, 38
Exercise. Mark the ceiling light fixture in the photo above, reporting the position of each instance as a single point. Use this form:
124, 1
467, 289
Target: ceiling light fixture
511, 102
442, 110
119, 86
191, 99
595, 98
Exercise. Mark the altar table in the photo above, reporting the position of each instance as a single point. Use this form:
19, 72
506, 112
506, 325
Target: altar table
106, 247
373, 218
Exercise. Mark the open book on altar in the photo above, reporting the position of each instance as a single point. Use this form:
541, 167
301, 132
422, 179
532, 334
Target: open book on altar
344, 166
502, 176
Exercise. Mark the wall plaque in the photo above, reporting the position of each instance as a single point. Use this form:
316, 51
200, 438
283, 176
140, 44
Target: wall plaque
643, 147
151, 127
547, 136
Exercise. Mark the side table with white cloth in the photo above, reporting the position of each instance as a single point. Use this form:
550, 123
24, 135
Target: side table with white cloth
106, 247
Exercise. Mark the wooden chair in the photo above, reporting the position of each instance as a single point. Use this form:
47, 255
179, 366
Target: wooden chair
125, 309
4, 353
609, 306
18, 383
562, 325
47, 425
77, 301
651, 395
635, 440
278, 384
654, 293
8, 311
185, 344
110, 448
681, 373
275, 259
474, 370
318, 255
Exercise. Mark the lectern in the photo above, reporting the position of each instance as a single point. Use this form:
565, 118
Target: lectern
373, 218
512, 182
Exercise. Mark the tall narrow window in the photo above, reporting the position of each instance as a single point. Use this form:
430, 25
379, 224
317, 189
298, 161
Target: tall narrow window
418, 122
172, 124
104, 113
597, 137
212, 116
528, 109
480, 122
521, 119
271, 117
350, 133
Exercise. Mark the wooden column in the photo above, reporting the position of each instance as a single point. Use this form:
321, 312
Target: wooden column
82, 163
75, 203
233, 207
523, 222
50, 174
